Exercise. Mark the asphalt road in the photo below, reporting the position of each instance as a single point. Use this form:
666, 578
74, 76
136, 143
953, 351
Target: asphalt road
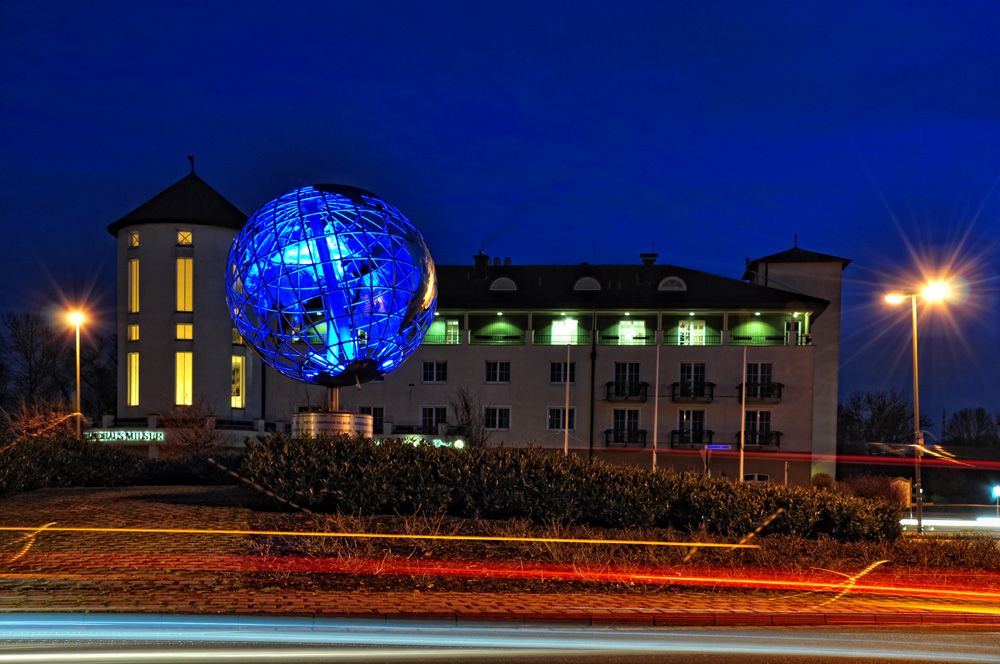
71, 638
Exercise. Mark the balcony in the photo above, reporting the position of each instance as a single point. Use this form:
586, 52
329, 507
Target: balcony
625, 437
697, 392
770, 340
546, 339
622, 390
687, 439
762, 440
707, 339
765, 392
496, 339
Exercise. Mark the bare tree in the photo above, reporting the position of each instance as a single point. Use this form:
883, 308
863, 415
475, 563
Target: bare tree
877, 416
37, 359
973, 427
468, 409
190, 429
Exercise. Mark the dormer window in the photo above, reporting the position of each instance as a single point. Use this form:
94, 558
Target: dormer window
672, 284
503, 284
587, 284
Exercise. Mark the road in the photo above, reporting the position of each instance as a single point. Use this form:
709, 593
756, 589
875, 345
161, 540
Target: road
70, 638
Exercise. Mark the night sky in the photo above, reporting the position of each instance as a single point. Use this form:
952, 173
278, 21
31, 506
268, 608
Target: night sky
547, 132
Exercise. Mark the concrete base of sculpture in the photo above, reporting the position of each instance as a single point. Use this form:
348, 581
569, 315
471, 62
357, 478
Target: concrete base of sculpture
331, 423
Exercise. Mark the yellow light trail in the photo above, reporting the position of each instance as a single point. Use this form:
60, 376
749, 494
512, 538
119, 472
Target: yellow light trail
295, 533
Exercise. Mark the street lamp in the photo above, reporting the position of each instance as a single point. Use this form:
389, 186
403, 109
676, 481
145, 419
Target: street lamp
996, 494
932, 292
77, 318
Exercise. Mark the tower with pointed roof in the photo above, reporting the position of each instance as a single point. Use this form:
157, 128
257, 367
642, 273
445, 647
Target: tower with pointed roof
172, 317
802, 271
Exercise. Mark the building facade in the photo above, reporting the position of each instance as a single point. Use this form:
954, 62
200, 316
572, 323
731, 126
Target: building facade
629, 363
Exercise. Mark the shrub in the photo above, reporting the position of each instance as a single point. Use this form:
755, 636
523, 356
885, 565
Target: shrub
355, 476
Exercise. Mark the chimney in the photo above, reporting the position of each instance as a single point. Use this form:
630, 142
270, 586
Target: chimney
481, 260
496, 261
506, 261
648, 259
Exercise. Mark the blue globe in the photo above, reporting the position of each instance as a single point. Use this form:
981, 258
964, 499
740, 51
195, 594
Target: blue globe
331, 285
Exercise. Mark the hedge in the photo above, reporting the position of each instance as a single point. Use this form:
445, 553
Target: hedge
356, 476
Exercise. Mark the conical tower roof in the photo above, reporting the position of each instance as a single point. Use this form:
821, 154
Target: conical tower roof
189, 201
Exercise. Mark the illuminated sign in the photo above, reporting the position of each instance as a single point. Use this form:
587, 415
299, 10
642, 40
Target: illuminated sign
436, 442
718, 447
124, 436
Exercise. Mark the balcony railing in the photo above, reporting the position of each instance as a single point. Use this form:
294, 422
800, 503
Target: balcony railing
617, 340
708, 339
625, 390
681, 437
762, 439
625, 437
745, 340
766, 392
441, 338
547, 339
699, 392
496, 339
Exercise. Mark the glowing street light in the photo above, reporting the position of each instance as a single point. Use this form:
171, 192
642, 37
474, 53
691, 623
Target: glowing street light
996, 494
77, 318
933, 292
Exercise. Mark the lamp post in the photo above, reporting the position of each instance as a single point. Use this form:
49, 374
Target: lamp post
996, 494
933, 292
77, 318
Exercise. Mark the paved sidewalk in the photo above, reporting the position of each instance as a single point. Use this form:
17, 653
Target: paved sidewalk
207, 574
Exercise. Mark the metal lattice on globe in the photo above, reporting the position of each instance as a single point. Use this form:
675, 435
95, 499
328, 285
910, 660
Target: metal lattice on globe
331, 285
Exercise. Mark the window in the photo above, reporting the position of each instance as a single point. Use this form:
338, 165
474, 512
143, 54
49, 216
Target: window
432, 416
185, 238
378, 416
626, 372
237, 337
435, 372
691, 333
496, 417
183, 387
631, 332
503, 284
693, 379
758, 426
497, 372
759, 375
691, 424
626, 419
185, 331
133, 332
133, 285
239, 381
564, 331
557, 419
133, 239
557, 372
185, 285
587, 284
451, 332
132, 395
672, 284
757, 478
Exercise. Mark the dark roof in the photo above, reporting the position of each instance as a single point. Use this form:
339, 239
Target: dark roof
622, 287
189, 201
795, 255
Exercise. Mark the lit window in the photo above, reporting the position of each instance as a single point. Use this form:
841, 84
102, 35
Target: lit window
185, 331
631, 332
185, 286
133, 239
133, 379
557, 419
557, 372
183, 390
185, 237
435, 372
237, 337
451, 332
133, 332
564, 331
497, 372
495, 417
238, 382
133, 286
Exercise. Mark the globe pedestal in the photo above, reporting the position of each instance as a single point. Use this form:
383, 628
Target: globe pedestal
330, 421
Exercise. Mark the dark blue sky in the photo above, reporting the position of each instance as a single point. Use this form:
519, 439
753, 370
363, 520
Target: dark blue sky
545, 131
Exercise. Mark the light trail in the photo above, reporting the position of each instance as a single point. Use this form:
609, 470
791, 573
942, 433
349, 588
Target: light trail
296, 533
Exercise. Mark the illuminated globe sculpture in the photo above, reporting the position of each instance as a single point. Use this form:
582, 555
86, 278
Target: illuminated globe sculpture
331, 285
